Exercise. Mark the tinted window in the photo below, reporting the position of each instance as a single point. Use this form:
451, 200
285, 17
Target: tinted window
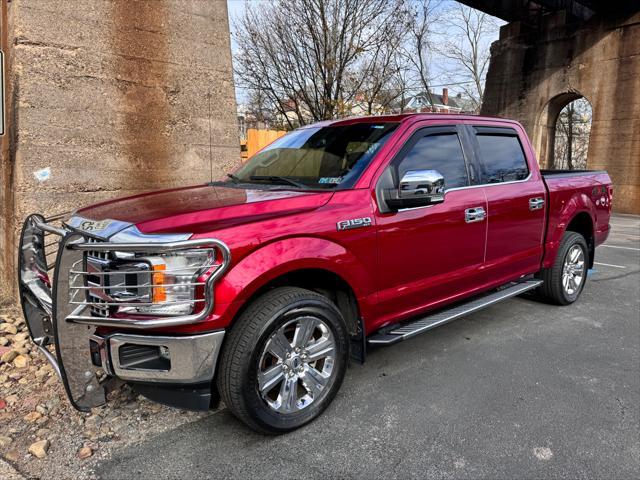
503, 158
438, 152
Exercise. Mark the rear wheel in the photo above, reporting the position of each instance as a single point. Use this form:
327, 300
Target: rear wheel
284, 360
565, 280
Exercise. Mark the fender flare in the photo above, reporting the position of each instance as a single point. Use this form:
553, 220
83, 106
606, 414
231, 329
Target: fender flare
281, 257
578, 204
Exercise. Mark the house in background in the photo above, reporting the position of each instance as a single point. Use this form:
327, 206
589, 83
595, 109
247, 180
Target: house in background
429, 102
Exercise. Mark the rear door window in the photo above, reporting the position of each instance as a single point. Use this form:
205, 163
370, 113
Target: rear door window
502, 155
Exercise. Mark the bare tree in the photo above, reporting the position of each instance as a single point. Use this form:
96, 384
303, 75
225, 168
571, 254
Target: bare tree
573, 128
401, 82
311, 57
469, 33
374, 83
259, 112
419, 45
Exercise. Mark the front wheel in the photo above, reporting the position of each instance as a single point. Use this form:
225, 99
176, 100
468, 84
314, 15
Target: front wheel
564, 281
284, 360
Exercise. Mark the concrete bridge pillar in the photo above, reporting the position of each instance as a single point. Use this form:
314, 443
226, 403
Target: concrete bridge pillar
107, 99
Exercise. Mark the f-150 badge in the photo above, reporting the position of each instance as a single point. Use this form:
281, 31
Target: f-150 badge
354, 223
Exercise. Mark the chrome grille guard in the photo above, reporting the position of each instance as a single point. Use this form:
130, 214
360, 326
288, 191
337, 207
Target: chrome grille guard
138, 323
54, 318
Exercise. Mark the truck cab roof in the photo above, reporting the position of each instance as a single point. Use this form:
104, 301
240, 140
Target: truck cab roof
408, 118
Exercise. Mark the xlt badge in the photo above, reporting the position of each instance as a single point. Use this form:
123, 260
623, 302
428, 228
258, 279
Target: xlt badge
354, 223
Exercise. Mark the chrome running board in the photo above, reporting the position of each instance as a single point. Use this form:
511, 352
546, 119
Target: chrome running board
416, 327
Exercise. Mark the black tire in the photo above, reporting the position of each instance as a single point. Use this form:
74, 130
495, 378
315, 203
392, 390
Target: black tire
552, 289
242, 354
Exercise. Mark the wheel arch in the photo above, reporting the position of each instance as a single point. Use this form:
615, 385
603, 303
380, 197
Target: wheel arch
575, 213
583, 224
317, 264
320, 280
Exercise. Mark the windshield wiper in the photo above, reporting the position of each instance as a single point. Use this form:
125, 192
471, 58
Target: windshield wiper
234, 178
282, 179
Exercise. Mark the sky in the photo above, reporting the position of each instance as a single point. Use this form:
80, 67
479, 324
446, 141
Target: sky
236, 8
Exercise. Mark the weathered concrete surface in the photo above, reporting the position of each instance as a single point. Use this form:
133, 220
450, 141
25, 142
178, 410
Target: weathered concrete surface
115, 97
534, 73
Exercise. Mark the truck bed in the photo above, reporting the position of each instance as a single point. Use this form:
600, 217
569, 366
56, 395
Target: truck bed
571, 192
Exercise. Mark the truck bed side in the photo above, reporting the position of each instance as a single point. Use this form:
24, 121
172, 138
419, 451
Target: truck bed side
577, 199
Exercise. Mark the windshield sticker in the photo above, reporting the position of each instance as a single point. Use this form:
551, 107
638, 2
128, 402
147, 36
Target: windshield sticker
333, 180
372, 148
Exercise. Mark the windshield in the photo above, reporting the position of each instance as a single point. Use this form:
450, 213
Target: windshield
317, 157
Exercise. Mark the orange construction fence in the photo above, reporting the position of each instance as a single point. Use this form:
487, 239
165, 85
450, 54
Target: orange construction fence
257, 139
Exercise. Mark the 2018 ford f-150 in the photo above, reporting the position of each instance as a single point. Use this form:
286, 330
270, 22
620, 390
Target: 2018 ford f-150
258, 288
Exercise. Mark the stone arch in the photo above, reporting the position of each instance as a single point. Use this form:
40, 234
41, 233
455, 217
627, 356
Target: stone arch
545, 128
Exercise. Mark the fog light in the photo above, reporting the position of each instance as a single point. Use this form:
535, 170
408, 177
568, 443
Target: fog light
144, 357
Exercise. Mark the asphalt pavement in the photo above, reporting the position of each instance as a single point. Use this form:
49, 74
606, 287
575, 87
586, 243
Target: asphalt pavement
519, 390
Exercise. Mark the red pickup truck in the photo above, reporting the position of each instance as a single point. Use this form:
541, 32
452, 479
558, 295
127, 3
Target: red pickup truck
341, 235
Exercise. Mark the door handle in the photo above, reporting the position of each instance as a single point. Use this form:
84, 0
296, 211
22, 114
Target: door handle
536, 203
476, 214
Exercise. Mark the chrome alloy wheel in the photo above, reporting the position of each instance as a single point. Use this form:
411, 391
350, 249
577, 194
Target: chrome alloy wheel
573, 270
297, 365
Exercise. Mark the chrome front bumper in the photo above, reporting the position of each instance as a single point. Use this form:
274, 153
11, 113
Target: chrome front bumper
188, 360
82, 356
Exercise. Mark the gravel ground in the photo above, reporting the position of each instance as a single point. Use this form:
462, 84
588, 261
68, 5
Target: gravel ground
41, 435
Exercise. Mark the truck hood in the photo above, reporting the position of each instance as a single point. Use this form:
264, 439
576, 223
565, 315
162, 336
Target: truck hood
203, 208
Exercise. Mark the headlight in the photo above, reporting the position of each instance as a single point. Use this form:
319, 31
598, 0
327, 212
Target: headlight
174, 286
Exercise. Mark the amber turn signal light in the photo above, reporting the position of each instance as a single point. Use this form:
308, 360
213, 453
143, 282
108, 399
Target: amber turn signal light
159, 292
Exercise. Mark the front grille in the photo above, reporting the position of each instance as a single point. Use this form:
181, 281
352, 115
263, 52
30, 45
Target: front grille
109, 282
98, 307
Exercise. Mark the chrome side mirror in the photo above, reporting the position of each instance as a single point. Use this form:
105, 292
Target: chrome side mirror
417, 188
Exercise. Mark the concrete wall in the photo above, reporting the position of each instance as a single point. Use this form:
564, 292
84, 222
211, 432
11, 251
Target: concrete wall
114, 97
534, 73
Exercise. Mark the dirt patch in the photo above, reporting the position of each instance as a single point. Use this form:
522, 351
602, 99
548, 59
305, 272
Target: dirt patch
41, 435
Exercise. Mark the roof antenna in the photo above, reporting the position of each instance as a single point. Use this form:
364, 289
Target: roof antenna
210, 146
210, 138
